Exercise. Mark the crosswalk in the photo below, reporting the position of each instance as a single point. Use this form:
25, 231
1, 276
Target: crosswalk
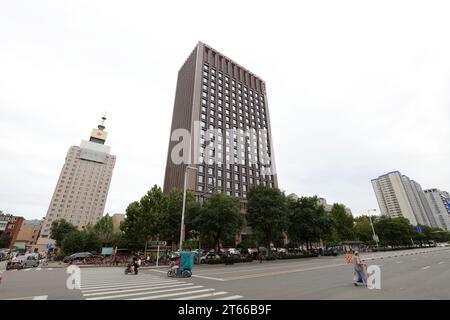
113, 284
26, 270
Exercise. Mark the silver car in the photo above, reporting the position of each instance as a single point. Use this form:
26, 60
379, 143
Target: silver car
20, 262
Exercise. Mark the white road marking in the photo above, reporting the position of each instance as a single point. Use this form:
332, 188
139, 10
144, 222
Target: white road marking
427, 267
172, 294
441, 262
112, 284
141, 293
399, 261
135, 289
122, 284
49, 269
40, 297
196, 276
203, 295
230, 298
210, 278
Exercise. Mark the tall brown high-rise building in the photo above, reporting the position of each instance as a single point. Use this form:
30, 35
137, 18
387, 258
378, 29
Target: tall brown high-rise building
220, 126
83, 185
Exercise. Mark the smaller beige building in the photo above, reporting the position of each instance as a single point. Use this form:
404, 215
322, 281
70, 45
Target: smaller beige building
28, 234
117, 219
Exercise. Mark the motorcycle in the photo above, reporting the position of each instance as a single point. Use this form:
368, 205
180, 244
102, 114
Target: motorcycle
131, 269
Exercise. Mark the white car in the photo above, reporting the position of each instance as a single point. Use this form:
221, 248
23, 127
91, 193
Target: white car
234, 251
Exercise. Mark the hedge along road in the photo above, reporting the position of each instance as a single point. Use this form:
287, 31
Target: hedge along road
248, 270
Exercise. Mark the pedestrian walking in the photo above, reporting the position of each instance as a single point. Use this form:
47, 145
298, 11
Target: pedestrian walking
359, 268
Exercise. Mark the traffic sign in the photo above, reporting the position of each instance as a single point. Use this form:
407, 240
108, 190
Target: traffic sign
49, 246
418, 229
158, 243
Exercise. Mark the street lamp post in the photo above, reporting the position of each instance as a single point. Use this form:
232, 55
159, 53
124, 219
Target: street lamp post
184, 205
375, 237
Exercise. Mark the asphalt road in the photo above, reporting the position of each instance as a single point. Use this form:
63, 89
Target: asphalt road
411, 274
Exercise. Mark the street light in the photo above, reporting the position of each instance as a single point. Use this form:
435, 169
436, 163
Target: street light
184, 204
375, 237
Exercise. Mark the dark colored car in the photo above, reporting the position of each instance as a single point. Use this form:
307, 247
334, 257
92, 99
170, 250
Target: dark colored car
77, 256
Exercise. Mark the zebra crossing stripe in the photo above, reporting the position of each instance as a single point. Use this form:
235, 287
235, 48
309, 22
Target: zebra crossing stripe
172, 294
120, 284
212, 294
229, 298
141, 293
134, 289
123, 287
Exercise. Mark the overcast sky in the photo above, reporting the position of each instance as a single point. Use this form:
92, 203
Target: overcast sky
355, 89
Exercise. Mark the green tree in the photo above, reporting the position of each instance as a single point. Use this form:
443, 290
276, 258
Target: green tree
141, 222
363, 229
308, 221
342, 222
219, 219
5, 239
169, 219
393, 231
60, 229
267, 213
118, 240
73, 242
104, 230
91, 242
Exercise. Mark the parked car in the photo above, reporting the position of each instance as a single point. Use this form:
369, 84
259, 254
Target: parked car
208, 256
77, 256
20, 262
233, 252
3, 256
443, 244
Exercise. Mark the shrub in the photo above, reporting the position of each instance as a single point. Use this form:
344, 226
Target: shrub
299, 256
229, 260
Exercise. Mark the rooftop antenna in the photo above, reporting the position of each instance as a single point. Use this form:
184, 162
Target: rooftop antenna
102, 125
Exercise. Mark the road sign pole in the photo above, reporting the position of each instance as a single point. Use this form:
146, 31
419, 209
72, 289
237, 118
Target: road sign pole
157, 256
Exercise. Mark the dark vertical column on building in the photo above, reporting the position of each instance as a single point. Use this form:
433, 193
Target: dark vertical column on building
181, 119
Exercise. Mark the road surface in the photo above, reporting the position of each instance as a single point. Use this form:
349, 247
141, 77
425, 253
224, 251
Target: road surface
409, 274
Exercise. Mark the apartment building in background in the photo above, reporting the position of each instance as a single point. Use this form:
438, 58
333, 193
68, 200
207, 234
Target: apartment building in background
398, 195
323, 202
82, 188
439, 202
9, 227
117, 219
392, 196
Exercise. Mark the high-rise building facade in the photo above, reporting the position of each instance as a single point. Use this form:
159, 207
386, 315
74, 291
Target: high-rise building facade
82, 188
392, 196
220, 127
397, 195
439, 204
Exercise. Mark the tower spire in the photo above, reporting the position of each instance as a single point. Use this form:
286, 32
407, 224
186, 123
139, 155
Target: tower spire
101, 126
99, 135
